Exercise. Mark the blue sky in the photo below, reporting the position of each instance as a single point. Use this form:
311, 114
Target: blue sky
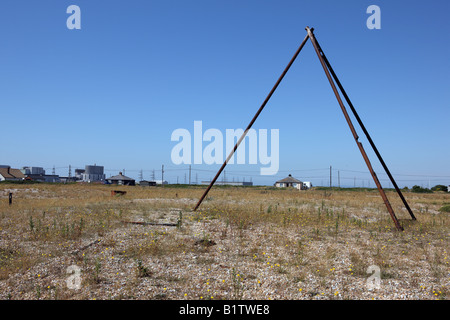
113, 92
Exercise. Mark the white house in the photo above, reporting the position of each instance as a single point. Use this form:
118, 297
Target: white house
289, 182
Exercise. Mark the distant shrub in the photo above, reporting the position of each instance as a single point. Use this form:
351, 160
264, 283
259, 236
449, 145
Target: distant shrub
440, 187
445, 208
419, 189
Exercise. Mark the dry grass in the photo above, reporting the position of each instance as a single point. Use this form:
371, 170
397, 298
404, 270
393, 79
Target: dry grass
243, 243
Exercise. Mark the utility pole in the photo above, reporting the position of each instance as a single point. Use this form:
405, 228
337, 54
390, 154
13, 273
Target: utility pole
189, 174
162, 175
330, 177
339, 180
53, 171
70, 171
153, 175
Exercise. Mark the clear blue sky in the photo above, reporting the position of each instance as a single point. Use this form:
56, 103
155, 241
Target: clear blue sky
113, 92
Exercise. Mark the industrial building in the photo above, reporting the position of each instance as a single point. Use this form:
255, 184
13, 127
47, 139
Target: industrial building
38, 174
229, 183
92, 174
32, 170
44, 177
79, 174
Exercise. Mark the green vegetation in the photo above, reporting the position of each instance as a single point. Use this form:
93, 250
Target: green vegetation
440, 187
419, 189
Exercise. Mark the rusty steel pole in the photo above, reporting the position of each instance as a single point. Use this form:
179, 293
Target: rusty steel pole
380, 158
352, 129
252, 121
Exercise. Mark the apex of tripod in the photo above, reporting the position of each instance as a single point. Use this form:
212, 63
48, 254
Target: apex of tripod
309, 29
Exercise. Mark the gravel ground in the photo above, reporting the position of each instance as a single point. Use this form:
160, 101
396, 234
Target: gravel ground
208, 257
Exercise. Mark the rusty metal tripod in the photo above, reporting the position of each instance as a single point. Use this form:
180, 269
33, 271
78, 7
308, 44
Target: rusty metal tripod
329, 72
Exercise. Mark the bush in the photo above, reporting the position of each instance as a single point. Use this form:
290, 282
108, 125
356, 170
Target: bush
418, 189
445, 208
440, 187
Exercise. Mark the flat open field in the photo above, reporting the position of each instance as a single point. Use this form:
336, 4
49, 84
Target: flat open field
76, 242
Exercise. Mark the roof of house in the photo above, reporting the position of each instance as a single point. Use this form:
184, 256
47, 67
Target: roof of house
289, 179
10, 173
120, 176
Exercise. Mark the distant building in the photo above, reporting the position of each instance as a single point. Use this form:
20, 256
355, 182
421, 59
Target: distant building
289, 182
79, 174
146, 183
10, 174
43, 177
228, 183
32, 170
161, 182
38, 174
67, 179
121, 180
93, 173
